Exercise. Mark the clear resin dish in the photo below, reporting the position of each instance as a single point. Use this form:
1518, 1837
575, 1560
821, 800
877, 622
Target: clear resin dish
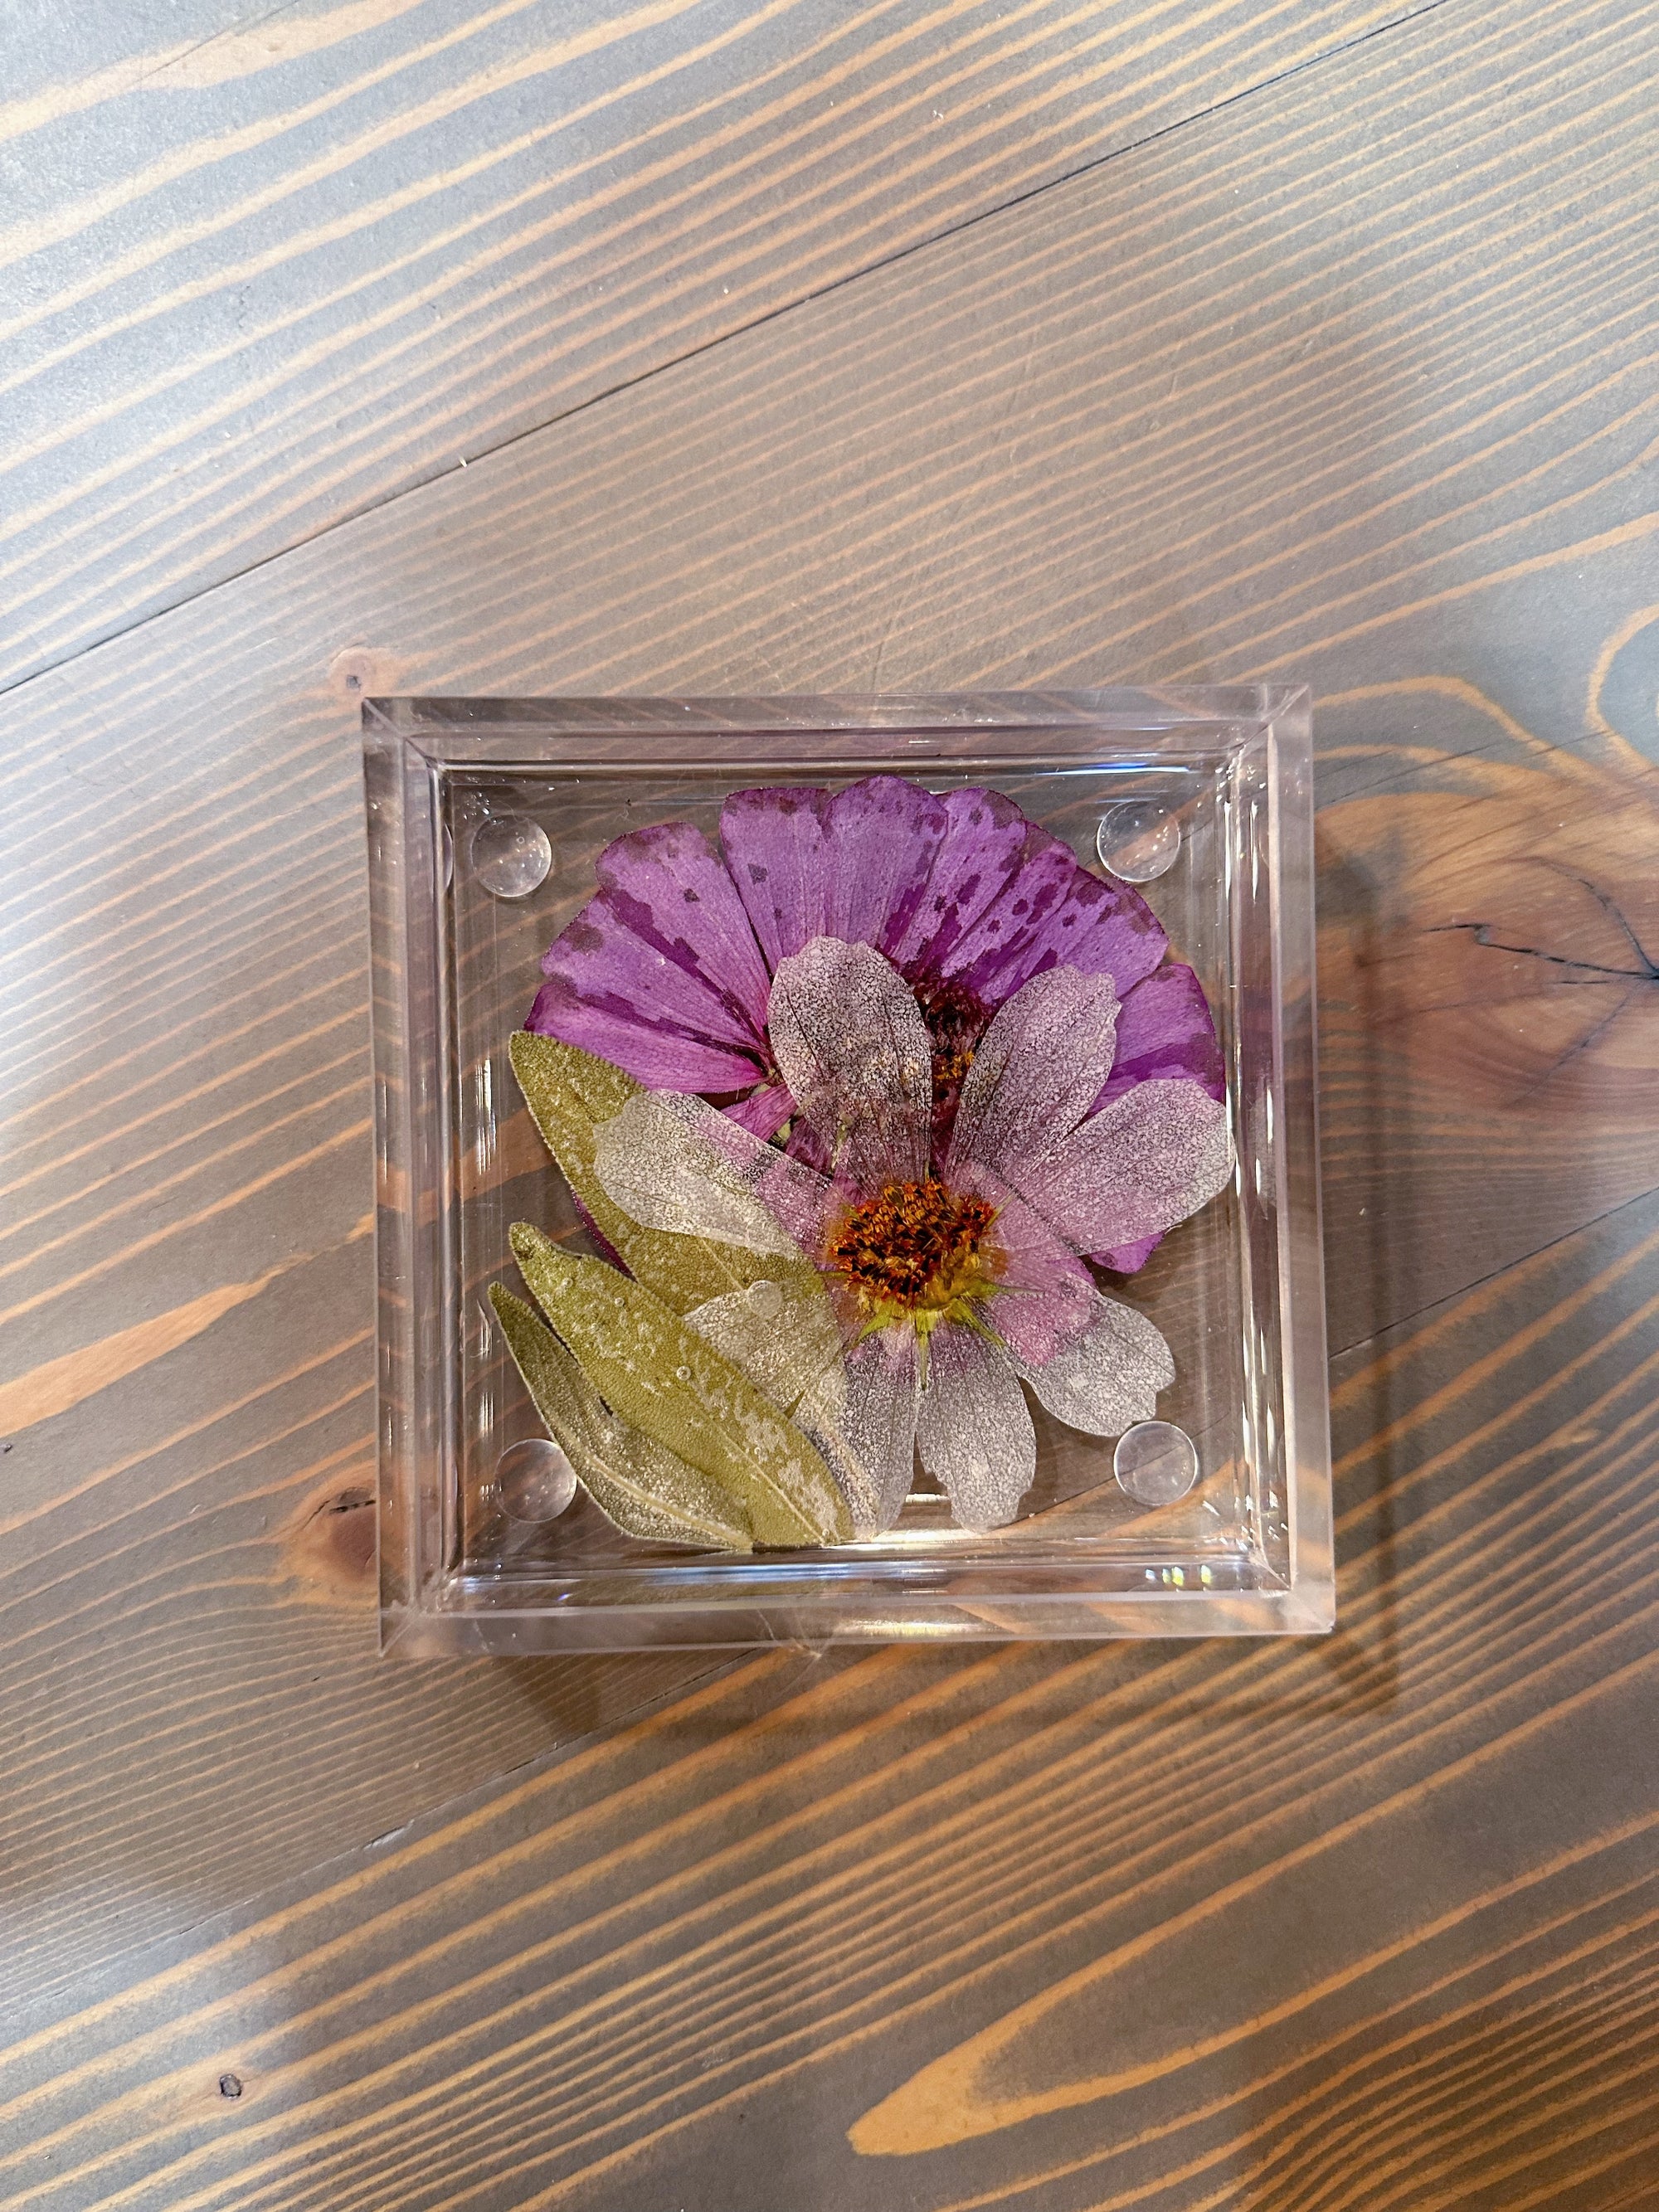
1209, 1513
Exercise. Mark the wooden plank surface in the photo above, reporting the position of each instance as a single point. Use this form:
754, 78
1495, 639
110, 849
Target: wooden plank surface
262, 268
1195, 1925
1353, 381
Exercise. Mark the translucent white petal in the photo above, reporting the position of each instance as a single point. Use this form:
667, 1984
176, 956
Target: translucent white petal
974, 1428
780, 1333
1045, 1295
876, 1425
658, 1161
850, 1042
1038, 1068
1107, 1380
820, 1413
1154, 1154
794, 1193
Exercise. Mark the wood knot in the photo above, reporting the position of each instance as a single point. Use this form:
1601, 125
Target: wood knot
1501, 939
364, 672
330, 1546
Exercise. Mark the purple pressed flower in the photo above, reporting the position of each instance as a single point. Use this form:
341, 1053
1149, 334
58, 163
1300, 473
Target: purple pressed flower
668, 971
954, 1273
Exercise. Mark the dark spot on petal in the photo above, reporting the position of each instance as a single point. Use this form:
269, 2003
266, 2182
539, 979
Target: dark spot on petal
691, 896
584, 936
756, 873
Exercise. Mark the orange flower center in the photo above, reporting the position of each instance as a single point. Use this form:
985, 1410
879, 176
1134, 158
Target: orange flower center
915, 1247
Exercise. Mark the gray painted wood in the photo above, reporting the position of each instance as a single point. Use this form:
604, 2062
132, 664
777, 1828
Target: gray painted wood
1349, 379
262, 268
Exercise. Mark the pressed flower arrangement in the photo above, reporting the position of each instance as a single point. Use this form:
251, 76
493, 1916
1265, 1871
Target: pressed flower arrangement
912, 1180
902, 1011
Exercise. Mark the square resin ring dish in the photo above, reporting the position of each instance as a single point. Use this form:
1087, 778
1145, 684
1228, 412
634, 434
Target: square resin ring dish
846, 1168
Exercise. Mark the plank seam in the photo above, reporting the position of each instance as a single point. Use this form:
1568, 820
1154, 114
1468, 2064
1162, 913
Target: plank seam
882, 263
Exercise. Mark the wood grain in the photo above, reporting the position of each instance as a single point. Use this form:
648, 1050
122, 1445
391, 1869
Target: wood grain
1366, 1924
1351, 380
274, 266
1490, 1061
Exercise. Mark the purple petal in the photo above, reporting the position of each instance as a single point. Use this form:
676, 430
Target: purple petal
1165, 1029
1038, 1067
849, 1040
1127, 1259
765, 1111
1144, 1162
660, 972
655, 1050
1110, 1377
773, 840
1056, 914
855, 864
985, 838
669, 887
803, 1145
974, 1428
880, 1417
1033, 888
1106, 928
1045, 1295
880, 838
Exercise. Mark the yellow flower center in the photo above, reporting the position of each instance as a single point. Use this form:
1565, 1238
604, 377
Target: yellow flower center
915, 1250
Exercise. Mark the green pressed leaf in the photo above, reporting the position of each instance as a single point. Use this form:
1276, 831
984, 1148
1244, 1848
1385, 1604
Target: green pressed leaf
662, 1377
638, 1483
570, 1093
